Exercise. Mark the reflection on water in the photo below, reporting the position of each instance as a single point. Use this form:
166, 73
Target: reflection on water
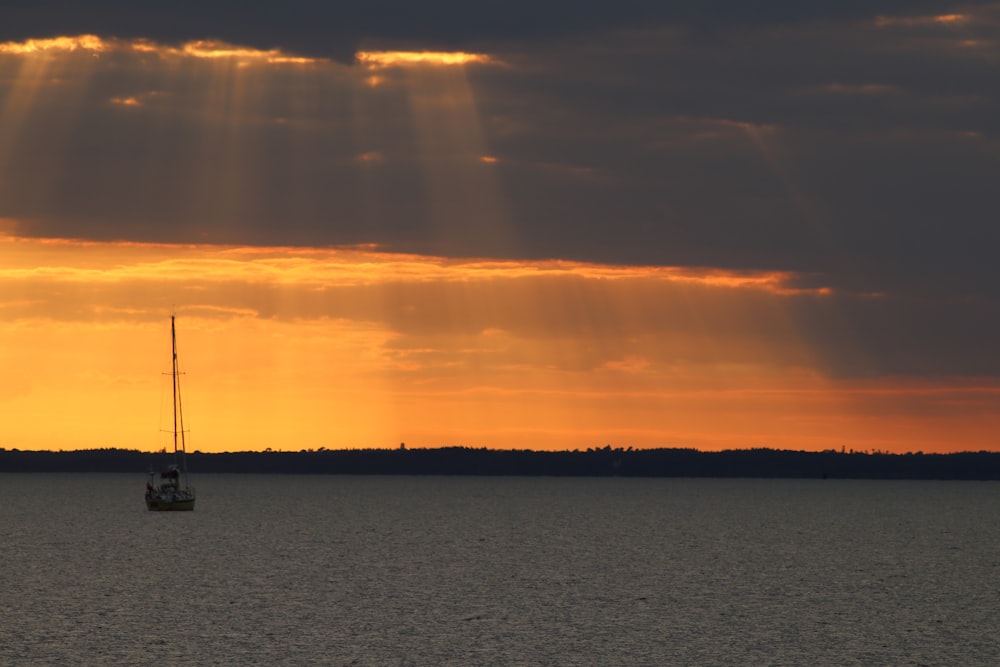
496, 571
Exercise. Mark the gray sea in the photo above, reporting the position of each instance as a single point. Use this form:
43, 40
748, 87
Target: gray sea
332, 570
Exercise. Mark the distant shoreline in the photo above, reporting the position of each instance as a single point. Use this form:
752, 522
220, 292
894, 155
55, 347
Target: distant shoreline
594, 462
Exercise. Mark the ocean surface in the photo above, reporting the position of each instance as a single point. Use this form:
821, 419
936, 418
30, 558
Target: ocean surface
331, 570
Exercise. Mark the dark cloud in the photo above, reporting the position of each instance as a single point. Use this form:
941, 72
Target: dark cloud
792, 136
335, 30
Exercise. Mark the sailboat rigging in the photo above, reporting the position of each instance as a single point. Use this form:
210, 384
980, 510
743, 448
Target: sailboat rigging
167, 493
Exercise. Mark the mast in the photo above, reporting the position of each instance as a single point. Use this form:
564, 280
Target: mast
173, 374
178, 411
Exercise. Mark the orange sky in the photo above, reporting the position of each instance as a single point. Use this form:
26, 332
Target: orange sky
400, 332
298, 348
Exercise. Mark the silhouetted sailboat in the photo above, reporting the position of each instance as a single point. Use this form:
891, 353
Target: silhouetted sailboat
167, 493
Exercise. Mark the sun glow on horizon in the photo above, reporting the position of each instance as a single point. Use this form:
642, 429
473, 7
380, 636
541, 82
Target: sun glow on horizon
363, 348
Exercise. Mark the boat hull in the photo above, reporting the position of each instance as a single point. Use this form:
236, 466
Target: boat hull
170, 506
155, 503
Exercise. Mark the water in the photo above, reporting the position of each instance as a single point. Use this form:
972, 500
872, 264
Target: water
318, 570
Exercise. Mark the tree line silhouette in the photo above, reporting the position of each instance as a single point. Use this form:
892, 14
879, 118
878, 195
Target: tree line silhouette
593, 462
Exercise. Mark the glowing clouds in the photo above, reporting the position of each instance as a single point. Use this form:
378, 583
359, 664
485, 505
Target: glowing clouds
212, 49
920, 21
215, 49
207, 49
90, 43
370, 157
382, 59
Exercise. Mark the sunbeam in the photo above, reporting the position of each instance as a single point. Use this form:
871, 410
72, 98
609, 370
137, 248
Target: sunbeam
546, 247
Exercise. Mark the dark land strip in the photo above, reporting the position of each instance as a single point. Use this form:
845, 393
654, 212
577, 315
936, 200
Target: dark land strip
593, 462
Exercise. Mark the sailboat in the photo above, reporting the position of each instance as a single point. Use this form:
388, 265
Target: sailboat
167, 493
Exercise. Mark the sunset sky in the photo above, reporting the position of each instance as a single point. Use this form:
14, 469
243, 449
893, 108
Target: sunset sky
506, 225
